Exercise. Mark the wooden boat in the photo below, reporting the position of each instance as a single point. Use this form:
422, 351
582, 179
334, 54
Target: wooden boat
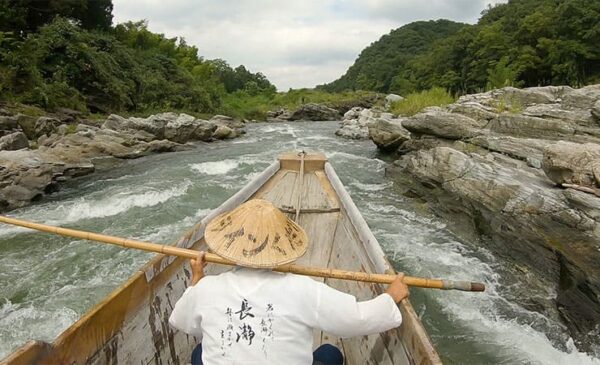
130, 326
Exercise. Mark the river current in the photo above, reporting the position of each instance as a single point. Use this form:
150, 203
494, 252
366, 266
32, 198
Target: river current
48, 282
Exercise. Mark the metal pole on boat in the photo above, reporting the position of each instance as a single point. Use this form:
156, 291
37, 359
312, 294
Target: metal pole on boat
291, 268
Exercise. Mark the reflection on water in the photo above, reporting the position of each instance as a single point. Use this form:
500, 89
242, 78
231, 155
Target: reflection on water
47, 282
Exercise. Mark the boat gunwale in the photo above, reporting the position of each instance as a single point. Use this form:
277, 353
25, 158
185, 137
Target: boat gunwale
150, 270
379, 259
160, 262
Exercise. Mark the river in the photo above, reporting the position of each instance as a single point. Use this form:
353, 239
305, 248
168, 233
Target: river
47, 282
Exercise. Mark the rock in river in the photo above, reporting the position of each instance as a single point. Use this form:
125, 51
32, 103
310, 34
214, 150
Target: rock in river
388, 135
315, 112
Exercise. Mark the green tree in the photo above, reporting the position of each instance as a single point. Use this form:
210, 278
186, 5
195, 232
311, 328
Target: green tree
502, 74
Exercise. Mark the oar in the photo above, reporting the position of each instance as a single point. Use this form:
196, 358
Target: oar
296, 269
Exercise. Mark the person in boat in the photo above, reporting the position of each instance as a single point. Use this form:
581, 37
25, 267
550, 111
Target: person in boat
253, 315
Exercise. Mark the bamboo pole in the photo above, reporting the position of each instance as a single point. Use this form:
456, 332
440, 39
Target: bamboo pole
291, 268
300, 184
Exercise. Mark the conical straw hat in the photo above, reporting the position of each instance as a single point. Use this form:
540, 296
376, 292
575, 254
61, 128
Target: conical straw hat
256, 234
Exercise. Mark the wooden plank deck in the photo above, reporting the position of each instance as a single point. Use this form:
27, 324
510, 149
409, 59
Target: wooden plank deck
332, 243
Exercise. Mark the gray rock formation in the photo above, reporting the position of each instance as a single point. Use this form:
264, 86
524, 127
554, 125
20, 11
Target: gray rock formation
355, 124
388, 135
315, 112
27, 125
224, 132
13, 141
391, 99
491, 163
68, 151
8, 124
278, 116
186, 128
555, 232
45, 126
226, 121
439, 123
573, 163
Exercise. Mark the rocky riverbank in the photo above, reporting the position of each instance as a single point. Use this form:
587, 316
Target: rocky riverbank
356, 121
521, 168
321, 111
37, 154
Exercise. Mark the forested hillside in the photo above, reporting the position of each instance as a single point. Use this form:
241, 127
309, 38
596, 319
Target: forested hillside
68, 54
378, 65
520, 43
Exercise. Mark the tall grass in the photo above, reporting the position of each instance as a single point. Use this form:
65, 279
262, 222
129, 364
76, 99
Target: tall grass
416, 102
243, 105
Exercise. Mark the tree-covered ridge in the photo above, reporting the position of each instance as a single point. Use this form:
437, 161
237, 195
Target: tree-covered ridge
75, 60
523, 43
378, 66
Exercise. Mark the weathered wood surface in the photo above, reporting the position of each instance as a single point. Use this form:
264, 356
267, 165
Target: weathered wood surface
130, 326
412, 339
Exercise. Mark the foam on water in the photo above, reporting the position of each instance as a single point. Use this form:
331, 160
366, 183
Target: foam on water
451, 259
215, 167
120, 202
44, 291
112, 202
371, 187
15, 322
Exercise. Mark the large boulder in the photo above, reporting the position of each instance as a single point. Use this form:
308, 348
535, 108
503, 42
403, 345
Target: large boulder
115, 122
440, 123
353, 113
184, 129
154, 124
8, 124
315, 112
27, 124
25, 175
179, 128
278, 116
356, 121
353, 130
388, 135
230, 122
391, 99
573, 163
224, 132
45, 126
14, 141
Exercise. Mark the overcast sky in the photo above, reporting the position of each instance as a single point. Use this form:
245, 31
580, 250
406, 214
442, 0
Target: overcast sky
295, 43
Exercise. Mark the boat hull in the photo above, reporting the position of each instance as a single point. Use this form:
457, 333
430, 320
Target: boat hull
130, 326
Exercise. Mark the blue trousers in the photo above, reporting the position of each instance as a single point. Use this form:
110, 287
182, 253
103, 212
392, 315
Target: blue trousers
325, 355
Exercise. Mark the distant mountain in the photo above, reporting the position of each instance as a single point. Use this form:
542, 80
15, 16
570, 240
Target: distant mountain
378, 64
520, 43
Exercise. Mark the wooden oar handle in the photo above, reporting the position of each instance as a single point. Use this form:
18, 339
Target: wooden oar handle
210, 257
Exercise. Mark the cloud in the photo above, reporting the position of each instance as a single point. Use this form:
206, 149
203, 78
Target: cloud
294, 43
